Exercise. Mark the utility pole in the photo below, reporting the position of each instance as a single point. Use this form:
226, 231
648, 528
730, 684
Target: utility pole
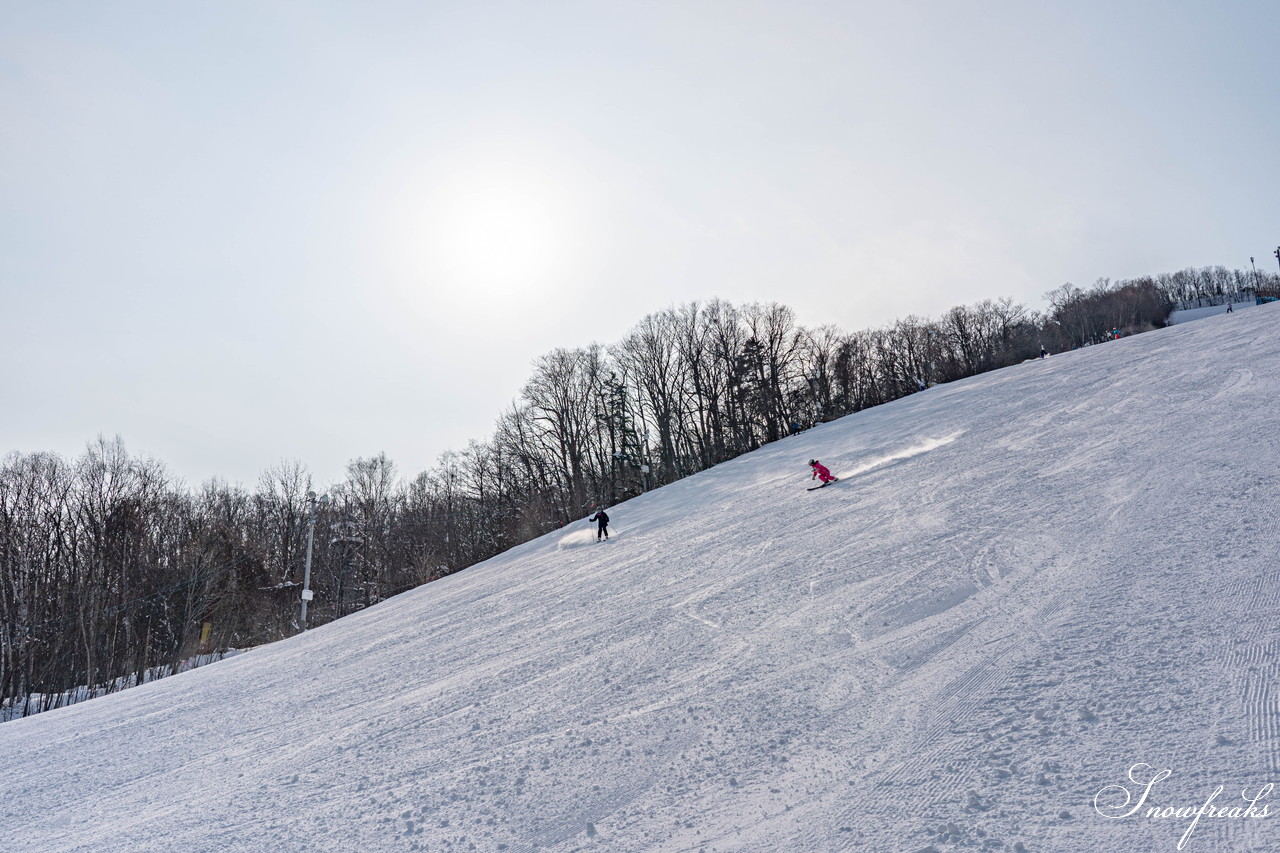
312, 500
815, 388
933, 356
644, 464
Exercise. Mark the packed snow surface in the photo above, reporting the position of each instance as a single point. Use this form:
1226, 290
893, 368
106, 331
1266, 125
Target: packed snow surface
1188, 314
1029, 593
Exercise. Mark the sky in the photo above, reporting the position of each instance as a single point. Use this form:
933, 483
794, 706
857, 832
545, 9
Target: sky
239, 233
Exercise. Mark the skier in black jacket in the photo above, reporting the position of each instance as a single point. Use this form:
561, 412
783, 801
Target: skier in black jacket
602, 519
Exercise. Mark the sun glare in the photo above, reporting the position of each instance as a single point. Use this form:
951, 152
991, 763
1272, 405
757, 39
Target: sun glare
497, 238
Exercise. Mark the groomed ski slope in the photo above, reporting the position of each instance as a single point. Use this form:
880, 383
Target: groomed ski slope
1025, 583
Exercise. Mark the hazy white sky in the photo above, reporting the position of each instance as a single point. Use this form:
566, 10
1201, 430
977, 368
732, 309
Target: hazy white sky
238, 232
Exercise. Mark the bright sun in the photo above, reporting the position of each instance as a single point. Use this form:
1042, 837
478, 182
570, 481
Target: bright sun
497, 237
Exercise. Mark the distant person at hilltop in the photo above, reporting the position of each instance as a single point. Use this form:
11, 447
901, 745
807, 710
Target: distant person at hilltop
601, 518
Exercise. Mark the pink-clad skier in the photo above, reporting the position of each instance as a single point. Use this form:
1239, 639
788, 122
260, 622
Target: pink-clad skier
820, 471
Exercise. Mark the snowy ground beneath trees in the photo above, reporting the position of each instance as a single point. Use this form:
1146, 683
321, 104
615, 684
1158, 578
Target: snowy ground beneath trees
1050, 573
40, 702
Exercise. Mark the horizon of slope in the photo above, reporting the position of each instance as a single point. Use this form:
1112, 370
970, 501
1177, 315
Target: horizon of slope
1025, 582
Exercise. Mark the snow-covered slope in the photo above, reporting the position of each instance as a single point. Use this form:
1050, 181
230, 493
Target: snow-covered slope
1190, 314
1026, 583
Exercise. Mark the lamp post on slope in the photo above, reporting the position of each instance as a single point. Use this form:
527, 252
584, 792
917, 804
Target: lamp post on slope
815, 385
312, 500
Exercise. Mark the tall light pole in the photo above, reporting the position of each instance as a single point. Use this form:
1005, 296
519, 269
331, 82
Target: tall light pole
1277, 254
312, 500
644, 464
1254, 267
933, 357
815, 385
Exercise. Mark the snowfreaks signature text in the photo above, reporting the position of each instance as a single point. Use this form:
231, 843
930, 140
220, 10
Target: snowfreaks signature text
1107, 803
